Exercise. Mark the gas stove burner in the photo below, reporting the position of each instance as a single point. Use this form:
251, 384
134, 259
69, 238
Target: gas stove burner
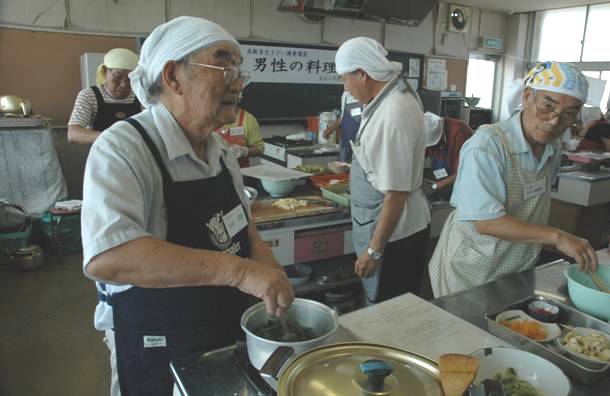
241, 359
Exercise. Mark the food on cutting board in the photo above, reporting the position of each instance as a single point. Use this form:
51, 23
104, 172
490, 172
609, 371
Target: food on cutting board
515, 386
528, 328
289, 203
315, 169
593, 345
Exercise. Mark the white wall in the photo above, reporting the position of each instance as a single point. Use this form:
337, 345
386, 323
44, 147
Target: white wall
252, 19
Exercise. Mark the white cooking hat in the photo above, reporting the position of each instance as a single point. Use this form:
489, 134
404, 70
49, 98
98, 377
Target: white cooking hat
433, 128
366, 54
173, 40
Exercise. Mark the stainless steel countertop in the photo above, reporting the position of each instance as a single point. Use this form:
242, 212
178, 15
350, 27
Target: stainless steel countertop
472, 305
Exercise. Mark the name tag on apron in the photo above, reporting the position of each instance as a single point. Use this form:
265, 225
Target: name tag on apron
235, 220
440, 173
356, 111
237, 131
530, 190
155, 342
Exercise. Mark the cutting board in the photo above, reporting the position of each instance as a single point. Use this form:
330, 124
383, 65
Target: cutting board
263, 210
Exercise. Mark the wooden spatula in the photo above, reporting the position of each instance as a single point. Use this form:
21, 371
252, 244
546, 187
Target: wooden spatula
457, 373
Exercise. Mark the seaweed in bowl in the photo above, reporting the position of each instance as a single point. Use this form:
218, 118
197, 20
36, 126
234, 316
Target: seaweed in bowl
284, 330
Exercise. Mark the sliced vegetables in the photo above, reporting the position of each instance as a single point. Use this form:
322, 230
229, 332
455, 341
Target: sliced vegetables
528, 328
515, 386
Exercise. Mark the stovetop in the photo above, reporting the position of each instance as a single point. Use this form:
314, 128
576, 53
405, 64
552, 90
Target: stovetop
223, 372
283, 142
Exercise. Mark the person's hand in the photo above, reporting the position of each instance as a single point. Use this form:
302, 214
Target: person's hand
579, 249
365, 266
239, 151
268, 283
326, 133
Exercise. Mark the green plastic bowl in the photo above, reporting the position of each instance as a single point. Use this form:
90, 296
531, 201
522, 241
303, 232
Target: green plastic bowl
583, 293
279, 188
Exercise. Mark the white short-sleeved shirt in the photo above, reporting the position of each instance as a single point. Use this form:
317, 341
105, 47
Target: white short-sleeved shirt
123, 188
479, 192
392, 152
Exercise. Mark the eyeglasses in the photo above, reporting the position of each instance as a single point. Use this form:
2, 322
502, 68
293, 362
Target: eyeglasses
230, 73
548, 111
119, 78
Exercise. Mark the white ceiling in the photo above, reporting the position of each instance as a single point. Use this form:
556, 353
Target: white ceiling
511, 6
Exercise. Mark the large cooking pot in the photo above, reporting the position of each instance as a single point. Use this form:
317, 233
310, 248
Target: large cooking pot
14, 105
322, 319
353, 369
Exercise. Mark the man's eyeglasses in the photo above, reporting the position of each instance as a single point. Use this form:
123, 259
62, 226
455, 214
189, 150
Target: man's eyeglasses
230, 73
119, 78
547, 110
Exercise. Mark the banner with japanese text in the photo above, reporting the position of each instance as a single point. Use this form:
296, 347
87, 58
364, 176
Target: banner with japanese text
270, 64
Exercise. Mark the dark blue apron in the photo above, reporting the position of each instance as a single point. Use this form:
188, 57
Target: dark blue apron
441, 161
154, 326
349, 129
109, 113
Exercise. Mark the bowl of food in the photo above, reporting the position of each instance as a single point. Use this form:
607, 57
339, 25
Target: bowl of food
517, 369
520, 322
587, 346
338, 166
585, 295
298, 273
472, 101
543, 311
278, 188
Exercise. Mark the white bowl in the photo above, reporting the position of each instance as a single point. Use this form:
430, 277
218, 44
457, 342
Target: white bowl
579, 357
552, 330
540, 373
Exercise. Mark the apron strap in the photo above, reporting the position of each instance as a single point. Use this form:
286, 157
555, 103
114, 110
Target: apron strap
155, 152
98, 97
242, 114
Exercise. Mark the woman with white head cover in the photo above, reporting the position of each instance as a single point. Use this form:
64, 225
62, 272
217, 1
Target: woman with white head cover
165, 224
503, 189
390, 214
111, 100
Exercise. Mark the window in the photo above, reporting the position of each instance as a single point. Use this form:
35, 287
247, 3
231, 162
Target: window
596, 47
558, 34
480, 80
606, 98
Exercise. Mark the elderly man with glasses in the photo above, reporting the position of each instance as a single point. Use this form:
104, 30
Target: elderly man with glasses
98, 107
166, 229
503, 189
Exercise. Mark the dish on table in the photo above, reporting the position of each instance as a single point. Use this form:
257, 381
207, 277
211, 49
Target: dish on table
587, 346
520, 322
544, 376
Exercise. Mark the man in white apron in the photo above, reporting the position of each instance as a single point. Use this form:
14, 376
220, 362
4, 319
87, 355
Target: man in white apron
503, 190
390, 214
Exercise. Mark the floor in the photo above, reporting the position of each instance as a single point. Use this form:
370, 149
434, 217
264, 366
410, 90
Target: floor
48, 345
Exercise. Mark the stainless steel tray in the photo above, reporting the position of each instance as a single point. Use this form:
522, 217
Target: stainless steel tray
569, 316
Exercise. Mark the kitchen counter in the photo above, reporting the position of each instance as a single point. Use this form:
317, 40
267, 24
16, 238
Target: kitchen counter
472, 305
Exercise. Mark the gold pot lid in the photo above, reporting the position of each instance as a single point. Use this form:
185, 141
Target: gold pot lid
337, 369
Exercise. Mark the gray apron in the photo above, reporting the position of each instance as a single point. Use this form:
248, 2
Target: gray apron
366, 200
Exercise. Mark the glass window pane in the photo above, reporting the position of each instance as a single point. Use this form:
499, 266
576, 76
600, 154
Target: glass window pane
559, 33
598, 31
606, 97
592, 74
480, 80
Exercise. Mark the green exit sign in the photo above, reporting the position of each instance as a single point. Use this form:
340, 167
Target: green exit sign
491, 43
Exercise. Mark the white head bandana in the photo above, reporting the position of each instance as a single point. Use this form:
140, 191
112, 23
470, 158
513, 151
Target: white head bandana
433, 128
366, 54
116, 58
173, 40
